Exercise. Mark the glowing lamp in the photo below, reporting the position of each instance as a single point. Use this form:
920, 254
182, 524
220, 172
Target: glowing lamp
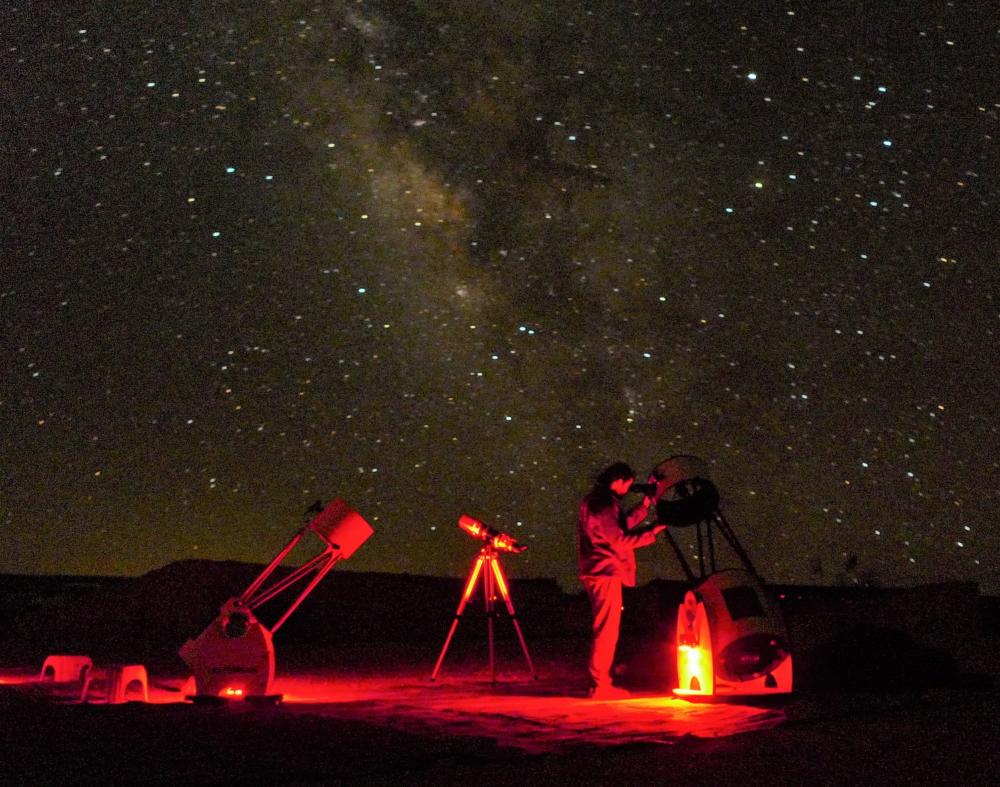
501, 542
695, 673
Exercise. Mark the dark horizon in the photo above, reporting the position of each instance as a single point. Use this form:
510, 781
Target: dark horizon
571, 589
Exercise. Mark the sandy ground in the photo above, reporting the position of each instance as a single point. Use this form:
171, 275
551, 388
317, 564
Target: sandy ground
462, 729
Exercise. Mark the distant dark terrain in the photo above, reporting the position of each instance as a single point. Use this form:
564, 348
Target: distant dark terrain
843, 638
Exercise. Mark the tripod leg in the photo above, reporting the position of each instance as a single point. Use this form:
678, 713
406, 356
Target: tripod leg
469, 587
505, 594
490, 592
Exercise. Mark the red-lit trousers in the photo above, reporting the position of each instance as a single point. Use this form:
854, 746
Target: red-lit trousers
605, 595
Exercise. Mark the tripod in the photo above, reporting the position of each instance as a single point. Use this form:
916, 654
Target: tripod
487, 565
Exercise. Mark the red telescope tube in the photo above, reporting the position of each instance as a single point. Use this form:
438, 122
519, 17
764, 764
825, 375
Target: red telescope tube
502, 542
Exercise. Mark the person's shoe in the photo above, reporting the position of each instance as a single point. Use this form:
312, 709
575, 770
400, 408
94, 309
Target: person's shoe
608, 692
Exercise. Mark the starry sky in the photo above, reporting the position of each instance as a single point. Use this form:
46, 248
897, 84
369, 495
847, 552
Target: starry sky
442, 257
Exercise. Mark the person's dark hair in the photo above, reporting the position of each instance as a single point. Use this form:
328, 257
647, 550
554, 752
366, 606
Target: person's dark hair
612, 473
600, 495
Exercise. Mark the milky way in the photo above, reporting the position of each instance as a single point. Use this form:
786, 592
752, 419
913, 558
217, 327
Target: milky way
447, 257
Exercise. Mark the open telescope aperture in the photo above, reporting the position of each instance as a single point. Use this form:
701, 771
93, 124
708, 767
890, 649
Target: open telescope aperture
689, 496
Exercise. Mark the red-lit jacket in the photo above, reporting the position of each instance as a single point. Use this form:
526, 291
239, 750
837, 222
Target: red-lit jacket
606, 550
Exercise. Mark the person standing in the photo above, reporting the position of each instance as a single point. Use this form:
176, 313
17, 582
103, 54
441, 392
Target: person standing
608, 539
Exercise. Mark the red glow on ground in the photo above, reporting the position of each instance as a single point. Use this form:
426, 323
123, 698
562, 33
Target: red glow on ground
533, 716
18, 677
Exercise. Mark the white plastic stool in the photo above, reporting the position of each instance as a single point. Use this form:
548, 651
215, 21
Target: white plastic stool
117, 679
66, 669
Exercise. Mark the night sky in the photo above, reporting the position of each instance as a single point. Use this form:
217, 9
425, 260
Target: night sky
443, 257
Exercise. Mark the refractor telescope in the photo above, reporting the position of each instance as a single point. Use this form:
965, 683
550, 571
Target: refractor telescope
501, 542
496, 587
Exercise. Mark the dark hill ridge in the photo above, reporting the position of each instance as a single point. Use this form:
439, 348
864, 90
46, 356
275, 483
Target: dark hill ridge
841, 636
147, 616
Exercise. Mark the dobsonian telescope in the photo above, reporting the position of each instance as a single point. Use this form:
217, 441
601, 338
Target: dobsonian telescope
731, 636
233, 658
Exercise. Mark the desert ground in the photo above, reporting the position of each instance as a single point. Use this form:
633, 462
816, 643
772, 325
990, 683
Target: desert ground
874, 703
